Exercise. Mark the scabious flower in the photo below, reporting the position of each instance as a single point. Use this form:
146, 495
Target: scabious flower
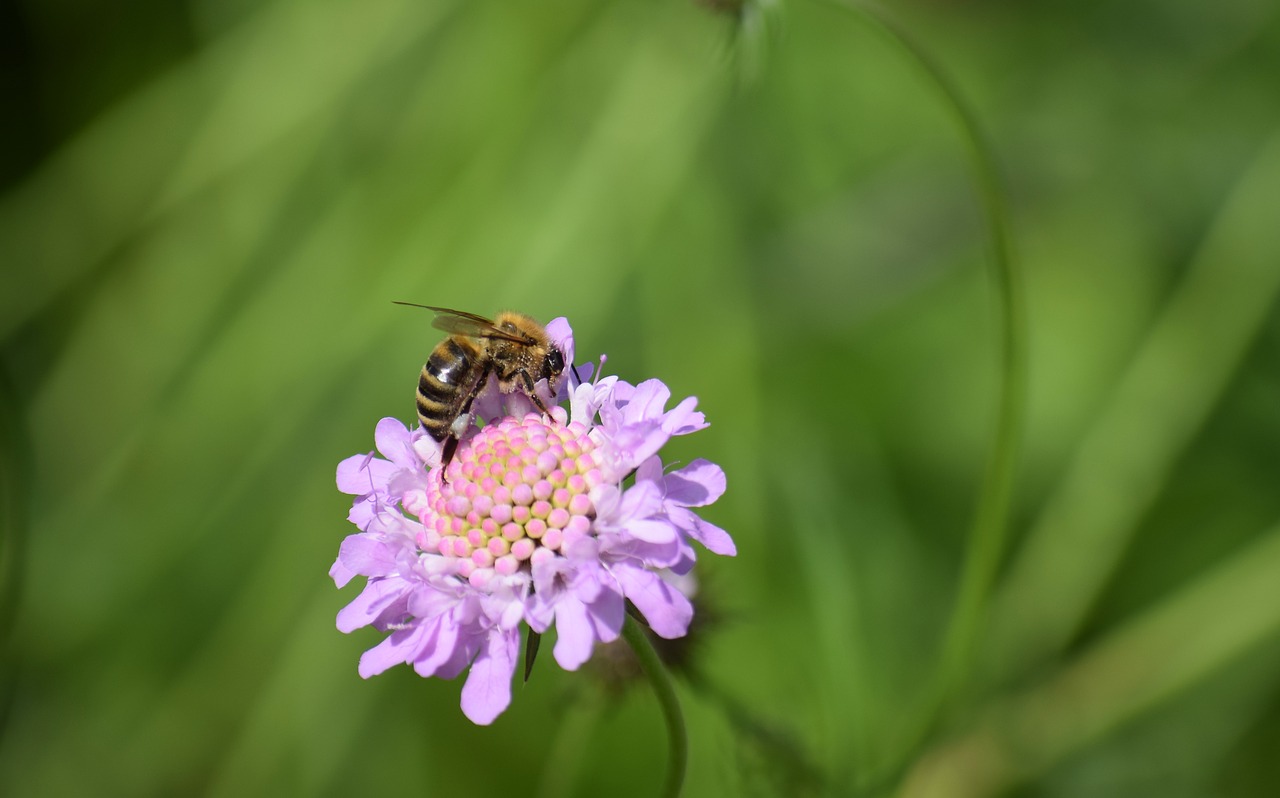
538, 521
615, 667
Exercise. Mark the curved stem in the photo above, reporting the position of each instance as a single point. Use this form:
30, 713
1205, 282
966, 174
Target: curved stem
657, 672
989, 530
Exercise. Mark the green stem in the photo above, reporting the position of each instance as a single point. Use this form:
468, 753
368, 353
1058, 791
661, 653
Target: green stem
677, 738
989, 531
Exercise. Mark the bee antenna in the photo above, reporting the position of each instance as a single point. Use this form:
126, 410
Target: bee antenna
574, 369
411, 304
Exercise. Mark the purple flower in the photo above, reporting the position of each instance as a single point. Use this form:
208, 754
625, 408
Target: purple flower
544, 521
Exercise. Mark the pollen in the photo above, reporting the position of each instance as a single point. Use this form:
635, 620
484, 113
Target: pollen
517, 487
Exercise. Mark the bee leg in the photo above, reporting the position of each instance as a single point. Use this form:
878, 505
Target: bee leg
450, 446
532, 394
460, 424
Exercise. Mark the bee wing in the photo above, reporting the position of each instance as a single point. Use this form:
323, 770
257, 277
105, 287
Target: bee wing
459, 322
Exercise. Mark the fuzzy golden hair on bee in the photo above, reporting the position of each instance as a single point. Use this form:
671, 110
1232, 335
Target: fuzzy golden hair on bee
513, 347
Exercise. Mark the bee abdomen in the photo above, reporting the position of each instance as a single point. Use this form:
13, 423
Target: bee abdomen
432, 414
441, 386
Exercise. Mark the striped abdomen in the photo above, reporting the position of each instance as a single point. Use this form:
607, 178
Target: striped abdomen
448, 383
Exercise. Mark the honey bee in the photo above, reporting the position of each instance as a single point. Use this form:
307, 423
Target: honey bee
513, 347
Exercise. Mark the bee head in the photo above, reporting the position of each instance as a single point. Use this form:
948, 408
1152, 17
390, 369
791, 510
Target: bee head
552, 366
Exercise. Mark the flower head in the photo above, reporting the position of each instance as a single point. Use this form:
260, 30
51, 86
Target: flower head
545, 521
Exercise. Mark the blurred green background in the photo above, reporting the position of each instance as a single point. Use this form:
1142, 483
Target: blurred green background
208, 207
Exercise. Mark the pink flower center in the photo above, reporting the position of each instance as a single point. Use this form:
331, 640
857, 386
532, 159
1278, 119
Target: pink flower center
515, 492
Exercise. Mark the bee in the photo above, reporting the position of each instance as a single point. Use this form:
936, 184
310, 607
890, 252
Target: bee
513, 347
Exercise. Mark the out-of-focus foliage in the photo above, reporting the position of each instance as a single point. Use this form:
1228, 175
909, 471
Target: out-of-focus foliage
208, 207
